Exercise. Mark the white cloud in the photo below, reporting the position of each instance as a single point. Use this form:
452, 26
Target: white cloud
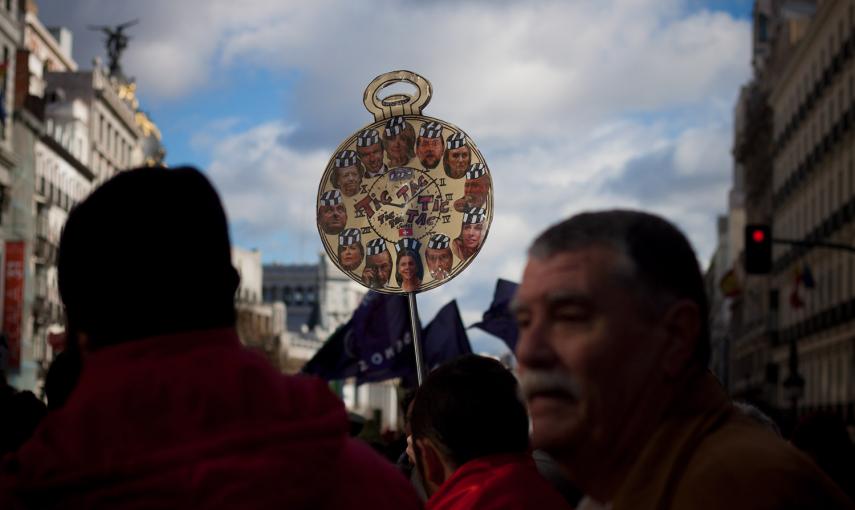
264, 183
575, 105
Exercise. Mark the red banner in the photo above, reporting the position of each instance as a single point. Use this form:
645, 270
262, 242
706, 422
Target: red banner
13, 300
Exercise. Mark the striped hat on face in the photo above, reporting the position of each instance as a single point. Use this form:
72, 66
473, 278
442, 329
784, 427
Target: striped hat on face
367, 138
375, 246
331, 197
395, 126
408, 243
349, 236
431, 129
476, 170
455, 141
473, 216
439, 242
345, 158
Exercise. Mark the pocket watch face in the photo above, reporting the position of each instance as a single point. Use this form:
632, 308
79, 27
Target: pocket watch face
405, 204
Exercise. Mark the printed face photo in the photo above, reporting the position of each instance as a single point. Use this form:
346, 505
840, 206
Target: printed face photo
409, 271
474, 194
408, 268
399, 147
457, 161
332, 218
439, 262
371, 157
378, 270
350, 256
429, 151
471, 235
348, 179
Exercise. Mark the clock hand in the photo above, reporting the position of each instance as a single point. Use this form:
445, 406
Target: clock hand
419, 194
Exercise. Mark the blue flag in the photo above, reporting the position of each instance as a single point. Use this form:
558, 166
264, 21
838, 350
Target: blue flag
381, 338
331, 362
498, 319
375, 345
445, 337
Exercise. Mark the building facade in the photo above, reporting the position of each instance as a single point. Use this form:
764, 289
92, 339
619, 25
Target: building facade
319, 299
52, 174
813, 190
260, 325
64, 131
792, 332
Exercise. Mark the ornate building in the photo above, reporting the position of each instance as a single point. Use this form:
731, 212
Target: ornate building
791, 334
813, 199
73, 129
319, 298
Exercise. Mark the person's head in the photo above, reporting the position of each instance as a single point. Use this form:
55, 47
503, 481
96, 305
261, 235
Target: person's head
398, 139
370, 150
408, 264
379, 260
475, 188
332, 215
457, 157
612, 318
350, 251
429, 144
147, 253
466, 409
438, 256
472, 228
347, 175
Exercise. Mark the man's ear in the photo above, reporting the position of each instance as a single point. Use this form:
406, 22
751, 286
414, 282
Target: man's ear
432, 466
682, 323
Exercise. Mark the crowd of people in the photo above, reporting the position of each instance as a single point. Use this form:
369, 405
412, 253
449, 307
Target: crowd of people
156, 404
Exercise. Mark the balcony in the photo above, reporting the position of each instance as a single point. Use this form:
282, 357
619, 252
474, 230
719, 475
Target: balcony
820, 321
44, 252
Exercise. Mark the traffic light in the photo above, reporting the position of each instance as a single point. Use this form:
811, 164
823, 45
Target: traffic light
758, 249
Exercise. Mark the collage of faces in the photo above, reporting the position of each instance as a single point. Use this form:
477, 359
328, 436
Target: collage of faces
435, 205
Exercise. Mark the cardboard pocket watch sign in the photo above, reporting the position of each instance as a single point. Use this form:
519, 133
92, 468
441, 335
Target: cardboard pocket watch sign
405, 203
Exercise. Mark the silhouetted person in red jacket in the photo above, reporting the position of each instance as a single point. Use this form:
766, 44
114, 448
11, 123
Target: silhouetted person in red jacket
170, 410
470, 439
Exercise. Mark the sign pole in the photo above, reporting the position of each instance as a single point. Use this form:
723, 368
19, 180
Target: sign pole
417, 336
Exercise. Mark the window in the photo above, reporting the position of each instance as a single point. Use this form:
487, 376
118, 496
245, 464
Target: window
4, 86
762, 28
2, 202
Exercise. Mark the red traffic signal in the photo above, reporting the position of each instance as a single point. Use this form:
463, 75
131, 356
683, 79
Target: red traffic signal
758, 249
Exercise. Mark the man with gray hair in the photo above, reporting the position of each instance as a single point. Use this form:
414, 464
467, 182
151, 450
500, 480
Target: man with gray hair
613, 352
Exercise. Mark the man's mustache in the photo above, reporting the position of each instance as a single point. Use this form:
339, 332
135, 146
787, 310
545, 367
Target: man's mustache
533, 382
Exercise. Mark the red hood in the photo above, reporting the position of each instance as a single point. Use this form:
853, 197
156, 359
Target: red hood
191, 420
497, 482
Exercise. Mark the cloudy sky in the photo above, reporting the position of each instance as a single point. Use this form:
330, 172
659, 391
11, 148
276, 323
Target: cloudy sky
575, 105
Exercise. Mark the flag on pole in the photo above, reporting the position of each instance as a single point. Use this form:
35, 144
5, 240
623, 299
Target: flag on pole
498, 319
375, 345
802, 277
4, 67
331, 362
729, 284
445, 337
